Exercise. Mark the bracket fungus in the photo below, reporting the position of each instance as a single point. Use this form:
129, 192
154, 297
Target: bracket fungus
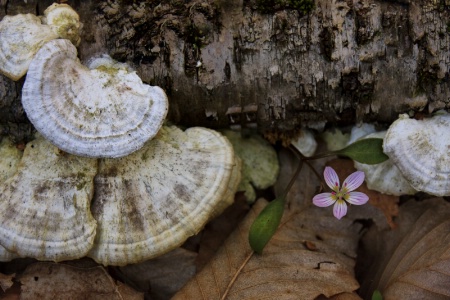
8, 166
10, 159
44, 206
384, 177
105, 111
21, 36
64, 21
151, 201
421, 150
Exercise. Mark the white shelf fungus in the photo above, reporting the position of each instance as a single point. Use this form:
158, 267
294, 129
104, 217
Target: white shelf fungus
102, 112
421, 150
306, 142
21, 36
151, 201
64, 21
385, 177
6, 255
10, 158
44, 206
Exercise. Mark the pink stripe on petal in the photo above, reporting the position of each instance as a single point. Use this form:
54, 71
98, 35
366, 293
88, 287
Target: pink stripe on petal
340, 209
323, 200
357, 198
353, 181
331, 178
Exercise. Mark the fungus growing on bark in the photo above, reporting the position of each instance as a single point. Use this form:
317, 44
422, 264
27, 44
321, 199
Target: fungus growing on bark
21, 36
385, 177
420, 149
44, 206
8, 166
64, 21
105, 111
151, 201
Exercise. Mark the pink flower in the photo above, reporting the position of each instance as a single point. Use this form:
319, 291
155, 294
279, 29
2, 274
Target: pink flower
339, 196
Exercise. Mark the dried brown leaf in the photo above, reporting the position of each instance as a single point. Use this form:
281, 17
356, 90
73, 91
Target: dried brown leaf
161, 277
6, 281
215, 232
413, 261
61, 281
312, 253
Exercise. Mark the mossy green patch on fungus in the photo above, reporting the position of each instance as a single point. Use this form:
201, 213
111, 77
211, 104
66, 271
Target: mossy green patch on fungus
270, 6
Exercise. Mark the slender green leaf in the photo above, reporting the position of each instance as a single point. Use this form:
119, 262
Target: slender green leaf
377, 295
367, 151
265, 225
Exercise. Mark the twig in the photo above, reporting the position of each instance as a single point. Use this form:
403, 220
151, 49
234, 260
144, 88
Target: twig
225, 294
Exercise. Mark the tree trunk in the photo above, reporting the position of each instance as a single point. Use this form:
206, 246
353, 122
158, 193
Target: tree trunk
270, 63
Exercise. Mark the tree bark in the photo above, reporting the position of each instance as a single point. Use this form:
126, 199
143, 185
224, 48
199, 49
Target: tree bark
240, 63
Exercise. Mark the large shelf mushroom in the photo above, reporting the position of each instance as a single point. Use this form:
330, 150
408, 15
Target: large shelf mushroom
44, 206
22, 35
421, 150
384, 177
8, 166
105, 111
143, 205
151, 201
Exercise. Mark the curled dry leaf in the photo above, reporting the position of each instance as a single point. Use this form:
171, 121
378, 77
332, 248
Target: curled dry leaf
413, 261
51, 281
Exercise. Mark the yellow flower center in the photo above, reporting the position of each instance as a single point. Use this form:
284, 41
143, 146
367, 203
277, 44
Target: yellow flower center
342, 194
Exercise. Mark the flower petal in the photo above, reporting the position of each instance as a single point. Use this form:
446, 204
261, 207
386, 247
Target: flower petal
331, 178
353, 181
323, 200
357, 198
340, 209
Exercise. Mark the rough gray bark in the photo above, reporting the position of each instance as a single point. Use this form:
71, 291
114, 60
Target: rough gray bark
227, 63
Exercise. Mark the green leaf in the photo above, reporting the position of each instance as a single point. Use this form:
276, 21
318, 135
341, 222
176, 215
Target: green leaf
367, 151
377, 295
265, 225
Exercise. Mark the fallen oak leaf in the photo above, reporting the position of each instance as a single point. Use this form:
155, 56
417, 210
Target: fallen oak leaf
413, 261
160, 277
287, 269
52, 280
6, 281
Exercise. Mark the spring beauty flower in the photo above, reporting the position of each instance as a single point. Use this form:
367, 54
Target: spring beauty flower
340, 195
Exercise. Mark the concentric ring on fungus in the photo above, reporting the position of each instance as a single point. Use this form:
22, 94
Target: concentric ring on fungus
44, 206
421, 150
151, 201
101, 112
